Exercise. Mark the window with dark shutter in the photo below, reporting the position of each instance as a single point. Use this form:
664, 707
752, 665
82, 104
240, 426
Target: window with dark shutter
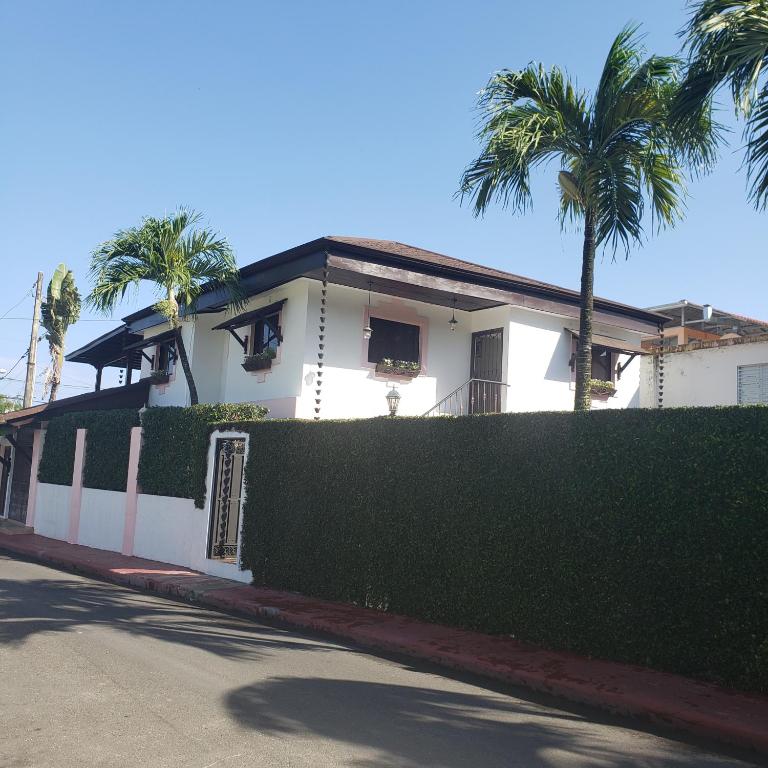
602, 368
265, 334
394, 341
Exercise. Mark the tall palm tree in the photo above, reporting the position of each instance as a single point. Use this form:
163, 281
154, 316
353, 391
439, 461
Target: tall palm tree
616, 152
181, 261
727, 43
60, 309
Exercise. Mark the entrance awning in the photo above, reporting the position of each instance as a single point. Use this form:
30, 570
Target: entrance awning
151, 341
617, 345
246, 318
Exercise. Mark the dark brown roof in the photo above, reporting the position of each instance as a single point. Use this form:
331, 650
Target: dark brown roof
432, 257
410, 252
127, 396
293, 263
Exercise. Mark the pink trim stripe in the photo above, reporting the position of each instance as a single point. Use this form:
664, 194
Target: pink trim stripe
132, 492
37, 439
76, 492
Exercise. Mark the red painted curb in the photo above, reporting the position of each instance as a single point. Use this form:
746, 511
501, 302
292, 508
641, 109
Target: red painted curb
702, 709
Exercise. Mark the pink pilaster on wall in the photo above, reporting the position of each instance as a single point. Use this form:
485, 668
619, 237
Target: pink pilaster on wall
131, 492
76, 492
37, 441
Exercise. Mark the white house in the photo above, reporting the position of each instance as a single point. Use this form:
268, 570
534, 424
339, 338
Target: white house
322, 318
707, 357
330, 329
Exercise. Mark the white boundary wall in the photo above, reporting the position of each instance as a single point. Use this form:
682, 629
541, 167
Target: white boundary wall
102, 519
52, 510
168, 529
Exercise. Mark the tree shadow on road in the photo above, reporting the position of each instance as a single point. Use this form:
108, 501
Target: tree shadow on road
30, 607
398, 726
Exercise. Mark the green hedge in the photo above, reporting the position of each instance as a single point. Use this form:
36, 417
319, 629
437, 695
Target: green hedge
174, 454
639, 536
106, 448
58, 458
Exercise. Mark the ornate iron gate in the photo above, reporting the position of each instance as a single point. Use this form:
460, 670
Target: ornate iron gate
226, 497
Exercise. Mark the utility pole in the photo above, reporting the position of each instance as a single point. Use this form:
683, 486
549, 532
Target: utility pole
29, 386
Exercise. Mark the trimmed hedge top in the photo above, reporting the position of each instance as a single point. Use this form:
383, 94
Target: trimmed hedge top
633, 535
174, 454
106, 448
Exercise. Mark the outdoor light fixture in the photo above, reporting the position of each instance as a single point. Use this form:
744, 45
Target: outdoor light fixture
393, 400
453, 322
367, 331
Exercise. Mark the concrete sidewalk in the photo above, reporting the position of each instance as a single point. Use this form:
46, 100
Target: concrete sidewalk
694, 707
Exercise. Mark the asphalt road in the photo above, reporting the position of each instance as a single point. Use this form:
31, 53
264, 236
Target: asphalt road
92, 674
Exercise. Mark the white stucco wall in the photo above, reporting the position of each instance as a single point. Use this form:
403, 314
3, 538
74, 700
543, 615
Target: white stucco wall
52, 511
174, 531
280, 386
102, 519
175, 392
703, 377
539, 373
351, 388
536, 355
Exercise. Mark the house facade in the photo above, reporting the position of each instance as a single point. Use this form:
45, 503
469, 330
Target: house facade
707, 357
332, 326
336, 328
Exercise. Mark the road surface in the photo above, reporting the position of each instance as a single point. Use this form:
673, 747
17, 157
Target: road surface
93, 674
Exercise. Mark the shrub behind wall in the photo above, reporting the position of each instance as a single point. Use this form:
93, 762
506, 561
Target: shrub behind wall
639, 536
174, 454
106, 448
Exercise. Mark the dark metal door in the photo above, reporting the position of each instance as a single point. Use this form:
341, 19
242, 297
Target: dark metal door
226, 498
22, 460
485, 370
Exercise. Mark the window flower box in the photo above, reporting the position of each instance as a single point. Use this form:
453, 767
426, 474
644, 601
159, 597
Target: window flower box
600, 387
160, 377
261, 361
403, 368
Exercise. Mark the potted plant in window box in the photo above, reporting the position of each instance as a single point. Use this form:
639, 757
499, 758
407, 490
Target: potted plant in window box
390, 367
261, 361
600, 387
160, 377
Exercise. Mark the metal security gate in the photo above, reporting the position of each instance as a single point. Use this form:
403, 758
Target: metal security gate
485, 368
226, 498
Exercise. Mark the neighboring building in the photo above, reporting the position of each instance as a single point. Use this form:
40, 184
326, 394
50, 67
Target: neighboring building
707, 357
323, 316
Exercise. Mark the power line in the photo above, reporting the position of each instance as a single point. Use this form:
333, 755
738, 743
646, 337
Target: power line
28, 293
82, 320
71, 386
10, 370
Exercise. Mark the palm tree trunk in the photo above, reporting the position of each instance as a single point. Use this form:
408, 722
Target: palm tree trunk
193, 399
583, 400
56, 362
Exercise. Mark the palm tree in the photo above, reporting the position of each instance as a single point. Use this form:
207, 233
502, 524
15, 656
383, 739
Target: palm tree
181, 261
60, 309
616, 151
727, 43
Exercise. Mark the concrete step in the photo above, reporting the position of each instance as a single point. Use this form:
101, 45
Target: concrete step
14, 526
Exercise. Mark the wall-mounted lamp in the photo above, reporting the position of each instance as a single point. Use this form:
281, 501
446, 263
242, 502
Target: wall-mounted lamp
453, 322
367, 330
393, 401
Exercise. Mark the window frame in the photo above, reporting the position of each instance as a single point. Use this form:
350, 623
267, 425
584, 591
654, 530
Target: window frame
373, 320
255, 340
400, 312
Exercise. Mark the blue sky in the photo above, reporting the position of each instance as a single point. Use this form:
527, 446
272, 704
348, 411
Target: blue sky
286, 121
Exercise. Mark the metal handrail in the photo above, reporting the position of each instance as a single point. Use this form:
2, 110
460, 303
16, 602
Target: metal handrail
453, 401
